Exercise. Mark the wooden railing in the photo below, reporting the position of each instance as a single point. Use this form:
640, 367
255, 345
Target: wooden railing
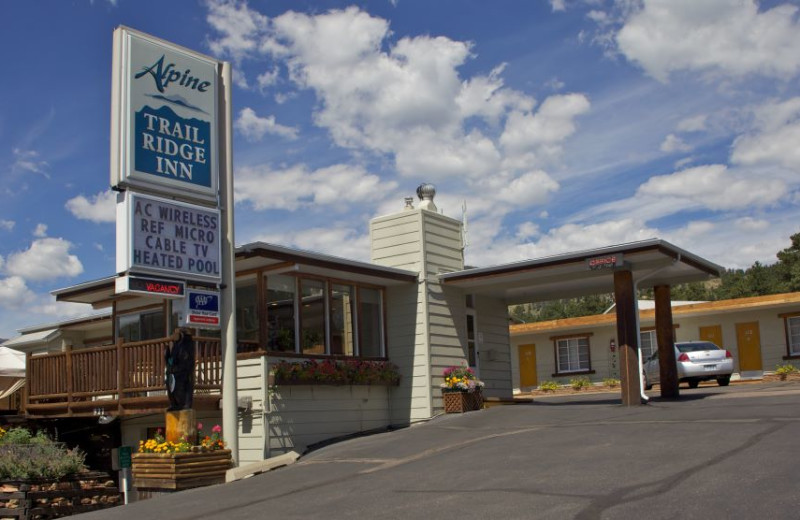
115, 379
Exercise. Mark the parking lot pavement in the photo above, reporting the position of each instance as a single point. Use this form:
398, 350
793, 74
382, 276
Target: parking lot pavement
727, 452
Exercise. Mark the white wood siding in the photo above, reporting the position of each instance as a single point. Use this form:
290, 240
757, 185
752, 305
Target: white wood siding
494, 351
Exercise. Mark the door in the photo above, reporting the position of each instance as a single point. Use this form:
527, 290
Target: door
748, 340
712, 333
527, 366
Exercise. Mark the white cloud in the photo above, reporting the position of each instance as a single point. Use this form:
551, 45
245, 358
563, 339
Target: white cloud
673, 143
527, 230
40, 231
692, 124
100, 208
576, 237
714, 187
27, 161
336, 187
543, 132
729, 37
8, 225
14, 293
751, 224
238, 26
341, 241
254, 127
774, 138
558, 5
47, 258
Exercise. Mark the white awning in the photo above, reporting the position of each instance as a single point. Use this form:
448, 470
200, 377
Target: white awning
30, 339
12, 362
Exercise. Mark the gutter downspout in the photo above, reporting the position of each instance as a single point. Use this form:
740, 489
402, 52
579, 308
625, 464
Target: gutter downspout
638, 324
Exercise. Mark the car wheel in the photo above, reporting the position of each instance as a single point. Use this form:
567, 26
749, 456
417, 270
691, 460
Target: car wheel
693, 383
724, 380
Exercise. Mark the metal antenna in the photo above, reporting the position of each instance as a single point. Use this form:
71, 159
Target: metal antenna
464, 237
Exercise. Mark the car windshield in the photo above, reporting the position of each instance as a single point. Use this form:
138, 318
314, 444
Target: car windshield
696, 347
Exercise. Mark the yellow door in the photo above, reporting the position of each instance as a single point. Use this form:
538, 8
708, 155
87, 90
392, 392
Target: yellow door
527, 366
712, 333
748, 340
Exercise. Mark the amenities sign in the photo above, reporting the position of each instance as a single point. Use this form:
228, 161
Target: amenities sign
164, 118
167, 237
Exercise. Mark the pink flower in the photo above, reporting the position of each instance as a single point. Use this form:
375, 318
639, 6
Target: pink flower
216, 429
199, 426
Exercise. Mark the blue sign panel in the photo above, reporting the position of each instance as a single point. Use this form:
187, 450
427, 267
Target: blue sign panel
168, 145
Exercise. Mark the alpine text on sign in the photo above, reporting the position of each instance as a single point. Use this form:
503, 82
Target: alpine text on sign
164, 118
167, 237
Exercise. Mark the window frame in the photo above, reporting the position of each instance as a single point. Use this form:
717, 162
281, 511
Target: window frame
557, 360
791, 353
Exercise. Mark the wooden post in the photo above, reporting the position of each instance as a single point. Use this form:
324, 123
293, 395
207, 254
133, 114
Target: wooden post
665, 334
627, 338
69, 380
120, 374
181, 424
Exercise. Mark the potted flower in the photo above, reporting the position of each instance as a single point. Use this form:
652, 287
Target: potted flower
461, 390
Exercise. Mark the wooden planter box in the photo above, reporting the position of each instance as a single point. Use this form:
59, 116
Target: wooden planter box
46, 499
460, 402
153, 472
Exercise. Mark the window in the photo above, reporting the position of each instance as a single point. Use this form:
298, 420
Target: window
141, 326
370, 323
648, 343
342, 320
281, 291
572, 354
312, 316
793, 335
247, 310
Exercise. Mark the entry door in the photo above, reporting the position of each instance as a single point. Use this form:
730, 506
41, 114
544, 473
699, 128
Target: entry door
748, 340
527, 366
712, 333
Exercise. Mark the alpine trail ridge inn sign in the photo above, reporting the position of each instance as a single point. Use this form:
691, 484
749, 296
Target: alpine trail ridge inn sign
164, 118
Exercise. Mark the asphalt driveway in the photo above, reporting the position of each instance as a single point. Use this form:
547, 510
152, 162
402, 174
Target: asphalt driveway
716, 453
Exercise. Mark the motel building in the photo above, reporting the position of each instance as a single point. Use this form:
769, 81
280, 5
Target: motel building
101, 378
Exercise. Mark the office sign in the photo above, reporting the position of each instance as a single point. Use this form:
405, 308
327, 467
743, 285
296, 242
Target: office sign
201, 309
167, 237
605, 262
164, 118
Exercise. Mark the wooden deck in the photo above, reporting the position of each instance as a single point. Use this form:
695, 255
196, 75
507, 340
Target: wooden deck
121, 379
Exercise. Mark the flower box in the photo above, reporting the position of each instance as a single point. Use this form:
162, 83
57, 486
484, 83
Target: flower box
460, 402
177, 471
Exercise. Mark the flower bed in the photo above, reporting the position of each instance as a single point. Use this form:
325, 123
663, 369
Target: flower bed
335, 372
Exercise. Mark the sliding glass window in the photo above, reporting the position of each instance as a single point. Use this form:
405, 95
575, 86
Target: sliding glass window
281, 291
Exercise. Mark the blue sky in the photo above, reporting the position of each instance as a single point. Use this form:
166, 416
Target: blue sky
563, 124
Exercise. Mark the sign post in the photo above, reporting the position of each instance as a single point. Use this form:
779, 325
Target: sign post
121, 461
171, 160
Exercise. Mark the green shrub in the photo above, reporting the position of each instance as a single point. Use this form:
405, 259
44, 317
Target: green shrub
611, 382
549, 386
579, 383
784, 370
24, 455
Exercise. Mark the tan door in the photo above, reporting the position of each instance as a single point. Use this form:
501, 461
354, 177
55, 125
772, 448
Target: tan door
748, 340
712, 333
527, 366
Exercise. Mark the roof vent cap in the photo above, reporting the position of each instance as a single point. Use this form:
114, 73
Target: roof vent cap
426, 192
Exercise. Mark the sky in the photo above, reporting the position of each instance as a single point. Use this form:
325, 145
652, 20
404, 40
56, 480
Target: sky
560, 125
